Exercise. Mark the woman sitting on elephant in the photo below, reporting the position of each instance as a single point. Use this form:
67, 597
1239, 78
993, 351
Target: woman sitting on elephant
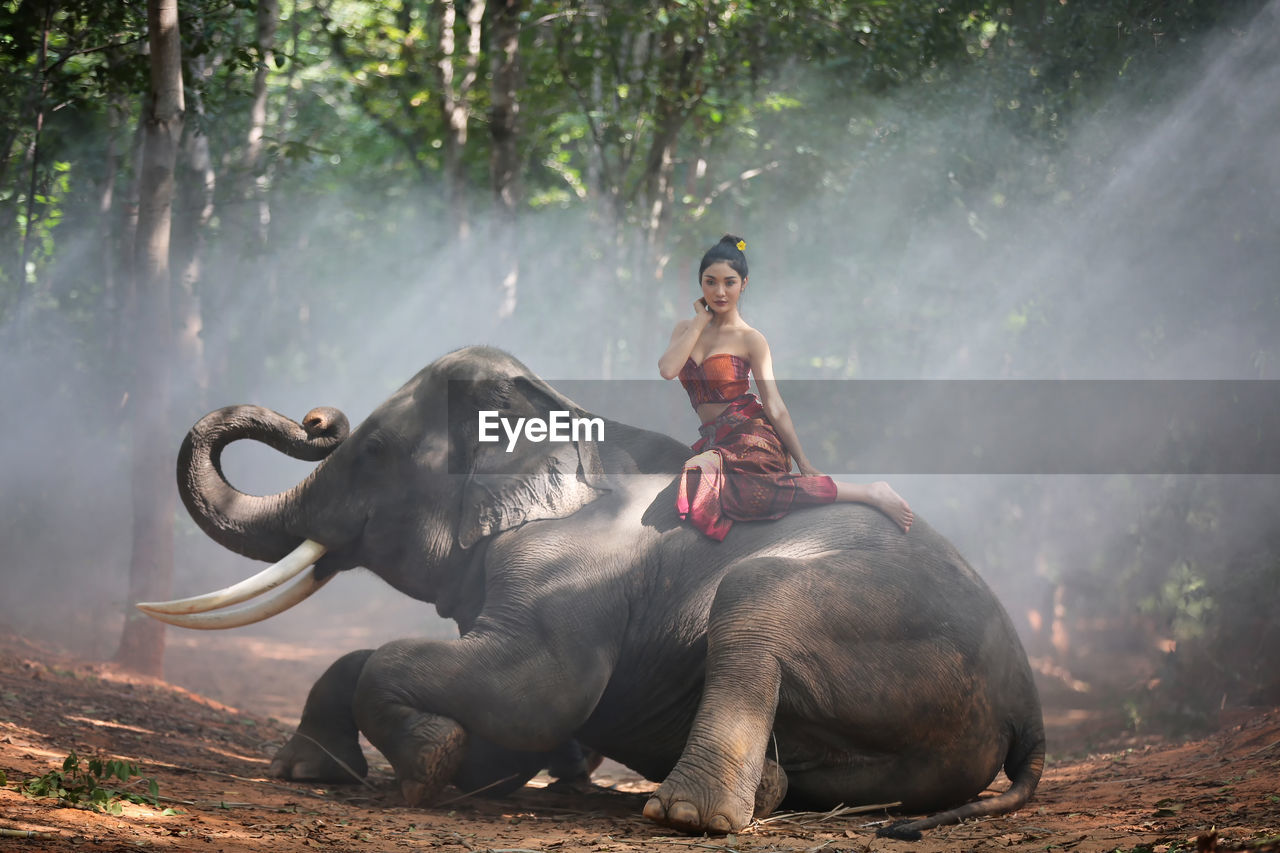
742, 470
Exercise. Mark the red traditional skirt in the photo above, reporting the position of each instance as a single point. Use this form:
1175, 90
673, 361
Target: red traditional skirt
742, 472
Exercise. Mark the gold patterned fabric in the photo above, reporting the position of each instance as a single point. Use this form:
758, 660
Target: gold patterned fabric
742, 472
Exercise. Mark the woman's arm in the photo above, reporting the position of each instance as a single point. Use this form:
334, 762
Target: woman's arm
682, 342
774, 408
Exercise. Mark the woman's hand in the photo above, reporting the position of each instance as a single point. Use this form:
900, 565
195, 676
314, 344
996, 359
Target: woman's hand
701, 310
808, 470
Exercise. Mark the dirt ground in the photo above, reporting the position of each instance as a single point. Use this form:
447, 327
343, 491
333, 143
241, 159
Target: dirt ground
210, 759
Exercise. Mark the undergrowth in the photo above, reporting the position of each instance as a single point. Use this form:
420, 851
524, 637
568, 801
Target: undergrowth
95, 784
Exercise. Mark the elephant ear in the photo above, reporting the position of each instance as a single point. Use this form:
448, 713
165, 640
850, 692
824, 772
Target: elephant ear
536, 480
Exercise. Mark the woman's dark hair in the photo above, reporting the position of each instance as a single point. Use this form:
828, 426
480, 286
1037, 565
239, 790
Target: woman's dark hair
726, 250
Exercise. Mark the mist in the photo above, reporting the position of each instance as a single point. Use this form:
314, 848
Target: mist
1146, 247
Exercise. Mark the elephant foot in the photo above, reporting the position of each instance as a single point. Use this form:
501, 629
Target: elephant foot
708, 804
772, 789
574, 763
714, 809
679, 810
313, 757
428, 757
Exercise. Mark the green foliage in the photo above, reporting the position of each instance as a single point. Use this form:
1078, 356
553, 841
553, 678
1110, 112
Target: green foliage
93, 785
88, 58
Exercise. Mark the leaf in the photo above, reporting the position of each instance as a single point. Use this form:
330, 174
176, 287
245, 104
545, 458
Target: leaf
85, 786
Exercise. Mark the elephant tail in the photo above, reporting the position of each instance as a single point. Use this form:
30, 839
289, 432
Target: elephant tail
1023, 764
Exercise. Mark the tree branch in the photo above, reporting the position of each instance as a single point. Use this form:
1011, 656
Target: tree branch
725, 186
85, 51
588, 109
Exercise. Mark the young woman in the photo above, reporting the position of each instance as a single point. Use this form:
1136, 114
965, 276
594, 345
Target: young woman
742, 470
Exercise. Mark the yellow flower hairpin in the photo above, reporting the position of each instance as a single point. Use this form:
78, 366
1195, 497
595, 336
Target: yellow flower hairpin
742, 245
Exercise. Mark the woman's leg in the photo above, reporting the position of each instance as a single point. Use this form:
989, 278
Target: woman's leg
879, 495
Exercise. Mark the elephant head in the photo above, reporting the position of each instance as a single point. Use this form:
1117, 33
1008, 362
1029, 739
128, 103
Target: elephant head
409, 494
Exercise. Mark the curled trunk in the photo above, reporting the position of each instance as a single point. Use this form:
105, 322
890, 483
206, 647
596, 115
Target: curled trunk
262, 528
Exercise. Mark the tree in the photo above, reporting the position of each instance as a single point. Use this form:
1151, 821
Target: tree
53, 54
151, 569
654, 87
504, 131
457, 77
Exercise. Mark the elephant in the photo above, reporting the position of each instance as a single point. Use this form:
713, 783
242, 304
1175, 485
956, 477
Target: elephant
821, 658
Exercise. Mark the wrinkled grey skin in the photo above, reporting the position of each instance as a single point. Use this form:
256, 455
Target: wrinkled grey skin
875, 666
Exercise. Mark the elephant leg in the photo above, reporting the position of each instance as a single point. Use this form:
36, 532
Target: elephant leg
327, 737
427, 751
572, 763
493, 771
414, 698
720, 782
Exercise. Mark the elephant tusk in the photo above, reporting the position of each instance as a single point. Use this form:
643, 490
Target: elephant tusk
264, 581
262, 607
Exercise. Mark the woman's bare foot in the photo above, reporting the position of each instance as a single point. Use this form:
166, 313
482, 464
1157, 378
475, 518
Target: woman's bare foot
882, 496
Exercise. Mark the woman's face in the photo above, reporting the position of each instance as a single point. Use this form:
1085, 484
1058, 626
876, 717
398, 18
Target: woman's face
722, 287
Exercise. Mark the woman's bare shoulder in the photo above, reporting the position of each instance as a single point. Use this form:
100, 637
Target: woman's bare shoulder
753, 337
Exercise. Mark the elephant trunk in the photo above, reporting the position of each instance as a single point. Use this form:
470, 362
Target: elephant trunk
261, 528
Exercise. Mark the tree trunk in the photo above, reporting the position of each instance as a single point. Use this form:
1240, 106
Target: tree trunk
268, 16
41, 92
8, 137
655, 188
10, 233
505, 158
660, 183
119, 254
456, 103
151, 569
115, 220
248, 218
196, 182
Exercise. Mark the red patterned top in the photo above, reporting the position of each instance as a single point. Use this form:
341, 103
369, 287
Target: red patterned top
721, 377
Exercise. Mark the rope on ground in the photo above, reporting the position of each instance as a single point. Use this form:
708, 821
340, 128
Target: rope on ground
338, 761
479, 790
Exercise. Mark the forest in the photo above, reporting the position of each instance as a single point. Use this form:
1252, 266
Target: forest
291, 203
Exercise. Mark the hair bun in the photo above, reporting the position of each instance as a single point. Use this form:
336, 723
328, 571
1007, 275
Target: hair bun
732, 250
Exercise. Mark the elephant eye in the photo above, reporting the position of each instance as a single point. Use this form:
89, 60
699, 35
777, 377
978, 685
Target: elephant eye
433, 455
375, 448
